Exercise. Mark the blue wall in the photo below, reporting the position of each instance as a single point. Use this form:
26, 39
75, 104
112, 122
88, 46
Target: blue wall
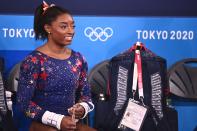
169, 37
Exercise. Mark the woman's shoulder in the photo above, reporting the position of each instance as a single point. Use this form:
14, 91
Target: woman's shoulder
79, 55
32, 57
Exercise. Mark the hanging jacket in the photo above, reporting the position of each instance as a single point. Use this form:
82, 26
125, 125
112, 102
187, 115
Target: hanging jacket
154, 75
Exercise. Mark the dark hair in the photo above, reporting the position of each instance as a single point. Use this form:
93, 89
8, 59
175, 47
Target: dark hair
42, 17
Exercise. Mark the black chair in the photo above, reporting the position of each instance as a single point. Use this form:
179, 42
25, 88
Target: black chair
98, 78
183, 78
13, 77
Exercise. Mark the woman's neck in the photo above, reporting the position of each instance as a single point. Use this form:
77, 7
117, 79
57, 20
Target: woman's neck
55, 49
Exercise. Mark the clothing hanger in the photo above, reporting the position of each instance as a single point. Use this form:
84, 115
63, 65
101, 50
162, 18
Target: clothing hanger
138, 46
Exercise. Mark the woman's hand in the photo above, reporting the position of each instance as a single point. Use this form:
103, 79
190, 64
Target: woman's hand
78, 111
67, 124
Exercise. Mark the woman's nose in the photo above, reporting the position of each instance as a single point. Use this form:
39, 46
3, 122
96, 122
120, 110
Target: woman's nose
71, 29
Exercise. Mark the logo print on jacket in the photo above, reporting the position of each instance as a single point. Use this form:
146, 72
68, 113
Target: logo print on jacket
156, 94
121, 88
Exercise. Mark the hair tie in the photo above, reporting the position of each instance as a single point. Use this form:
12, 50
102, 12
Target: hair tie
46, 6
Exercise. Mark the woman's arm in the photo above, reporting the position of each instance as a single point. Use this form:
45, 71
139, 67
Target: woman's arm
84, 87
28, 78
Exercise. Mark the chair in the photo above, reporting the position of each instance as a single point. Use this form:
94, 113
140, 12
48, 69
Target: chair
13, 78
183, 85
183, 78
98, 78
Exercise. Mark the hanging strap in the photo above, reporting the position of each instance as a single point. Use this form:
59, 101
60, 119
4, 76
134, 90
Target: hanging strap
137, 75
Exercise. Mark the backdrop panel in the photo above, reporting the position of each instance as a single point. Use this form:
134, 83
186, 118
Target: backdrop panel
100, 38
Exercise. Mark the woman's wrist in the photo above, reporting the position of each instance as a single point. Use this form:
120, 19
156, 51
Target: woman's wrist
88, 106
52, 119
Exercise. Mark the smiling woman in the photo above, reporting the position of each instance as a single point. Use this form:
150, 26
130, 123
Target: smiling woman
53, 89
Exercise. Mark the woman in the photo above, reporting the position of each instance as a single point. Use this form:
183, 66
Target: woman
53, 87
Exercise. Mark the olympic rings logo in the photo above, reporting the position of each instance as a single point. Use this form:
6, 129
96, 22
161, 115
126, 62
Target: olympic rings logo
98, 33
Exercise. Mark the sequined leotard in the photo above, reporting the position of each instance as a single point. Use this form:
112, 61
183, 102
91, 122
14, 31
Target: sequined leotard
47, 83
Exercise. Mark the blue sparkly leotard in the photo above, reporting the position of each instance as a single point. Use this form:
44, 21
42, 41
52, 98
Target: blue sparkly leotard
47, 83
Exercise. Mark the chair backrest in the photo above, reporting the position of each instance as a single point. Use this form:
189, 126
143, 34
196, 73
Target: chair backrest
98, 78
183, 78
13, 78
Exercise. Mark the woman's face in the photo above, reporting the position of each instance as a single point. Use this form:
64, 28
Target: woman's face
62, 30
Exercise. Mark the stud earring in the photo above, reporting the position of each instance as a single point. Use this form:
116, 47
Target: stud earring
49, 33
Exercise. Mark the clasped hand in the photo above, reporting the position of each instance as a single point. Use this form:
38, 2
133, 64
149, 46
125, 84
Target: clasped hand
76, 112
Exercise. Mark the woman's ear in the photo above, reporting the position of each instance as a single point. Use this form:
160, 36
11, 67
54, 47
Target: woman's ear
47, 28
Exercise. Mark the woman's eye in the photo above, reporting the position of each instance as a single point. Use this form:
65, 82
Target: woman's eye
64, 27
